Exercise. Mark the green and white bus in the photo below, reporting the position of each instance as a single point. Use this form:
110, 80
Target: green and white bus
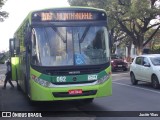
63, 54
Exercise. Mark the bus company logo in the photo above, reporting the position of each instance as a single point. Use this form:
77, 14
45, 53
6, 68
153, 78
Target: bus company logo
6, 114
74, 79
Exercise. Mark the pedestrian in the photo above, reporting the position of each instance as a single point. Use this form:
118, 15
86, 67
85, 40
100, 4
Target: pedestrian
8, 75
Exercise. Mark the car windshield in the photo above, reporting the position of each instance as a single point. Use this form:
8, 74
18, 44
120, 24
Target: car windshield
155, 61
63, 46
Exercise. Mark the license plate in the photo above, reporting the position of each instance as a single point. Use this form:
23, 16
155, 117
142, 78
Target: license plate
119, 65
74, 92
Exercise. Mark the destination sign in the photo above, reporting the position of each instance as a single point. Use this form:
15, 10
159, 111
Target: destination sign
68, 16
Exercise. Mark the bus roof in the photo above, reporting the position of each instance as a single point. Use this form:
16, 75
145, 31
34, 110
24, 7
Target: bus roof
28, 18
71, 7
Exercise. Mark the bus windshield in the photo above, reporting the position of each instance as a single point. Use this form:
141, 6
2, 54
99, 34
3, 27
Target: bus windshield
68, 46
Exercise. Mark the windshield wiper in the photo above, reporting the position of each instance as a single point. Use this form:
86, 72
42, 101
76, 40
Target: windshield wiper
84, 34
59, 34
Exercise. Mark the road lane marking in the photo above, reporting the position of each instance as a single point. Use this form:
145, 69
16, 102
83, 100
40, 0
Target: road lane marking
136, 87
119, 74
124, 78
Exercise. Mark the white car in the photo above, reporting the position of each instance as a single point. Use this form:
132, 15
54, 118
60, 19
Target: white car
146, 68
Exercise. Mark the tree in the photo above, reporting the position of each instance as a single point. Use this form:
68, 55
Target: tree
134, 17
3, 14
113, 25
92, 3
155, 40
116, 33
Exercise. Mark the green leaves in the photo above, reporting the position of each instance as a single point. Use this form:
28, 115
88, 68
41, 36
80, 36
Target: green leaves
130, 16
91, 3
3, 14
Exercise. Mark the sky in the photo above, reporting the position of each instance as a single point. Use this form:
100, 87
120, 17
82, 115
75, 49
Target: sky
18, 10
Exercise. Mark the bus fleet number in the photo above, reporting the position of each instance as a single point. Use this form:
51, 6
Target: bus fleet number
61, 79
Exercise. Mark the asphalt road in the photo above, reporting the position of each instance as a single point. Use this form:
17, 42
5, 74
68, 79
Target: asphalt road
127, 100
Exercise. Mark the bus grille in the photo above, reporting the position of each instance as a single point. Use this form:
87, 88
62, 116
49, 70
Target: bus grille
72, 72
71, 83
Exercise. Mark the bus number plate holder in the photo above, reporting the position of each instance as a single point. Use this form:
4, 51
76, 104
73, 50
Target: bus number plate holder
75, 92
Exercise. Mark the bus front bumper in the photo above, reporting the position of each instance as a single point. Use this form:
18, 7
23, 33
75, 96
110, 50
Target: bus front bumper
40, 93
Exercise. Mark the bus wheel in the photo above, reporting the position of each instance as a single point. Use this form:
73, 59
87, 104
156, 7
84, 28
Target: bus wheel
88, 100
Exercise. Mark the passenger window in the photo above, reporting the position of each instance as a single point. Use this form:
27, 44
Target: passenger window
145, 61
138, 60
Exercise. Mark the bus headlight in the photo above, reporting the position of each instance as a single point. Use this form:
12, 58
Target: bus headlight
103, 79
42, 82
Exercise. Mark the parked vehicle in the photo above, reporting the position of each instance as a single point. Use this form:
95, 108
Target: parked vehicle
118, 63
146, 68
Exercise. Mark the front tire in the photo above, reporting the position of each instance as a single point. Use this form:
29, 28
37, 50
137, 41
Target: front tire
155, 82
133, 79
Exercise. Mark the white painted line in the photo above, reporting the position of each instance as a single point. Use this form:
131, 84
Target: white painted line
120, 74
136, 87
122, 78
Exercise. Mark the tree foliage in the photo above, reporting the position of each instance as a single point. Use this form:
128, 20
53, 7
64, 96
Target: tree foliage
133, 17
113, 25
3, 14
91, 3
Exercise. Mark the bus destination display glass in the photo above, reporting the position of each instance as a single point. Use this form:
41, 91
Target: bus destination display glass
56, 16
